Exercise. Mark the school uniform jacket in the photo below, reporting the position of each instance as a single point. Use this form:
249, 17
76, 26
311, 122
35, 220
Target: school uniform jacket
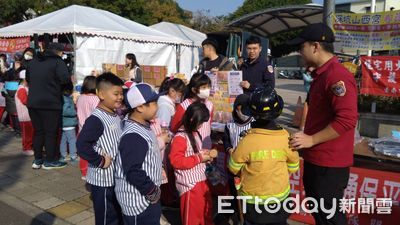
188, 168
138, 167
99, 136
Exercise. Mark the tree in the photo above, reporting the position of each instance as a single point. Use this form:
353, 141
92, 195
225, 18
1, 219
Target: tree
277, 42
205, 23
146, 12
14, 11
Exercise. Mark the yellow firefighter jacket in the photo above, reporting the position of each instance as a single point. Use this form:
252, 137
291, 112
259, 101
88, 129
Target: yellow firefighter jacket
263, 160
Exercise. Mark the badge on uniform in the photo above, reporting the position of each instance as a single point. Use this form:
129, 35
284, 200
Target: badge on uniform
339, 89
270, 69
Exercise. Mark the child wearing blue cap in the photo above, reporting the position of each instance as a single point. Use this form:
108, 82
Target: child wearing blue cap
138, 164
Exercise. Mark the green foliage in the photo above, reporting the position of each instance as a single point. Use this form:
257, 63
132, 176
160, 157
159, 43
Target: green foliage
386, 105
205, 23
278, 47
13, 11
146, 12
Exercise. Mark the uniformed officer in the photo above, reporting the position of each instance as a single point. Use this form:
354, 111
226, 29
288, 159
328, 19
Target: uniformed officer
328, 137
257, 72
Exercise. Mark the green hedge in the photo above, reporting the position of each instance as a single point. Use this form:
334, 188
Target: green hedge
386, 105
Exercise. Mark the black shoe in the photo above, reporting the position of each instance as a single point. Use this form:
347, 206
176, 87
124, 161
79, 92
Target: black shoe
54, 165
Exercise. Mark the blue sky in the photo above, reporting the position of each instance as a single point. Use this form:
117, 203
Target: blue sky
217, 7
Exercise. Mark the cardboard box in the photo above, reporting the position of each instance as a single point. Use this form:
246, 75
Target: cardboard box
117, 69
151, 81
147, 75
146, 69
120, 70
158, 82
109, 67
154, 75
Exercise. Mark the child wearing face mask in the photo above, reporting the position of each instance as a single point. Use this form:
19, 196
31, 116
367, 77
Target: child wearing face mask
198, 89
173, 89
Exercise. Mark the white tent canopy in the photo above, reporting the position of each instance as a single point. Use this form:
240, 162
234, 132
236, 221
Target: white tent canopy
182, 32
102, 37
189, 55
85, 20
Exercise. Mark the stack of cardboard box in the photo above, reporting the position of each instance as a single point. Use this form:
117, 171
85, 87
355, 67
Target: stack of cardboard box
116, 69
154, 75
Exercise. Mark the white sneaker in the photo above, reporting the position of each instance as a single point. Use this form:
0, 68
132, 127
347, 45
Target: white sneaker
37, 164
164, 221
28, 152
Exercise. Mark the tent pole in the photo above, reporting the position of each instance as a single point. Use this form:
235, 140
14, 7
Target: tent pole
178, 57
74, 54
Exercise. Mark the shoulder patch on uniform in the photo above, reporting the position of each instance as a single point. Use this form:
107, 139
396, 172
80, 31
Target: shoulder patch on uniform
270, 69
339, 89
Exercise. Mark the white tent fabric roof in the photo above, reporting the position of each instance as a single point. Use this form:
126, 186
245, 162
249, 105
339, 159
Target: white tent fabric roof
91, 21
181, 31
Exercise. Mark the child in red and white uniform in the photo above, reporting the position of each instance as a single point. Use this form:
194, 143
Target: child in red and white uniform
2, 102
21, 99
198, 90
189, 161
85, 105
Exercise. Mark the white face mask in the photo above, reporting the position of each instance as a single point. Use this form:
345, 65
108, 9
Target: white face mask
28, 57
204, 93
242, 116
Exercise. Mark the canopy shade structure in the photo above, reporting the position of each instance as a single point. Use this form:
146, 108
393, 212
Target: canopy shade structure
89, 21
275, 20
182, 32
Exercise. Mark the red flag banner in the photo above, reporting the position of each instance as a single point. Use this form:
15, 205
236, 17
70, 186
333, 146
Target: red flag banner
14, 45
381, 75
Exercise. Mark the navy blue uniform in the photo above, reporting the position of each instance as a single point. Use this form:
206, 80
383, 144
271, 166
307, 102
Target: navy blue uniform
138, 172
99, 136
258, 73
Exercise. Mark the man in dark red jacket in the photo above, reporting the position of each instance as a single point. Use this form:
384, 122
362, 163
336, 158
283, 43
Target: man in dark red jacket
328, 138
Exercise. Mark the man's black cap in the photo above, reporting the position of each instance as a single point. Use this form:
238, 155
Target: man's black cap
210, 41
317, 32
55, 46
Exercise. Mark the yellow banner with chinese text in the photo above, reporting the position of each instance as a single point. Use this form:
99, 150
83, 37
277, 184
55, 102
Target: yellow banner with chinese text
368, 31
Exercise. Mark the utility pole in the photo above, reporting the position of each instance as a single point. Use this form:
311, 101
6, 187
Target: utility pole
373, 3
329, 10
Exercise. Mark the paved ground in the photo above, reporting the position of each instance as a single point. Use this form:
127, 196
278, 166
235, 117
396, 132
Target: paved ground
290, 90
35, 197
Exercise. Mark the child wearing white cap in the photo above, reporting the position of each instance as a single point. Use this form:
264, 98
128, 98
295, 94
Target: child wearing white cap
138, 164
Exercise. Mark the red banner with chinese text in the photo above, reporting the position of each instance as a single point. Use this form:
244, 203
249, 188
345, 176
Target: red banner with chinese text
363, 184
14, 44
381, 75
